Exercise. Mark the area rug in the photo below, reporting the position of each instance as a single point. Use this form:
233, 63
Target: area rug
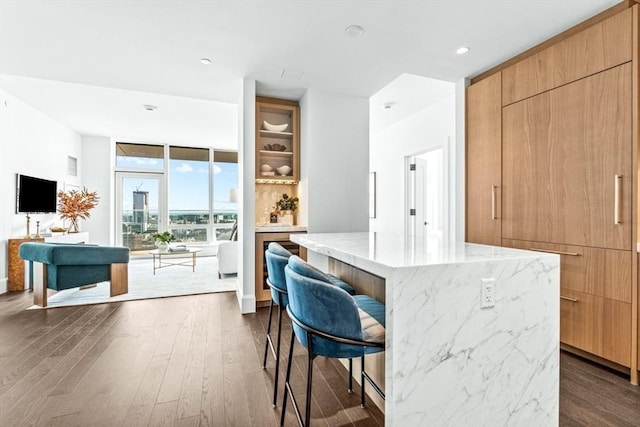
143, 284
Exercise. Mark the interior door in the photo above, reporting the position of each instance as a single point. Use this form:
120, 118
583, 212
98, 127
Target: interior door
420, 217
567, 161
141, 208
427, 196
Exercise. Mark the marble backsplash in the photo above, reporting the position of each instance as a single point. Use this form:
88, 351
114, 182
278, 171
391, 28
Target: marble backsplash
266, 197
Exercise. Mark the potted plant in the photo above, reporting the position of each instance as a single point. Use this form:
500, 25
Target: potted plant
74, 205
286, 207
163, 239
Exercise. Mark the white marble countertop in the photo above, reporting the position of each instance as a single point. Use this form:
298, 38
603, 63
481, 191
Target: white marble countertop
394, 251
280, 228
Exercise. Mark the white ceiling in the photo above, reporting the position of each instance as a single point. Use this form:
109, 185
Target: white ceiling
120, 114
155, 46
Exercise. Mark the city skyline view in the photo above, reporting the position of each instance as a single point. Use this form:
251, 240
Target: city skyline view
187, 179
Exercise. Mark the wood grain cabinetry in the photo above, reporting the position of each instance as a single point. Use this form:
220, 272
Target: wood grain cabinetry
601, 326
483, 154
569, 174
595, 271
263, 292
597, 48
596, 296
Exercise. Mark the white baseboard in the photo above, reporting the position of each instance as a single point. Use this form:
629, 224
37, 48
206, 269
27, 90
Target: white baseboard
3, 286
247, 303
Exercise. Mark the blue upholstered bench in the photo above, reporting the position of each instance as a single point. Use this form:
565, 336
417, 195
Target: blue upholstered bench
66, 266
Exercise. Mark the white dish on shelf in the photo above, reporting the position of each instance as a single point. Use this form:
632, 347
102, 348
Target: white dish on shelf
268, 173
274, 128
284, 170
266, 168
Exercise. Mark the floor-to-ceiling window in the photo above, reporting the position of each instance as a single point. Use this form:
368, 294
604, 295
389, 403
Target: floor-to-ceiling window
188, 197
188, 191
225, 187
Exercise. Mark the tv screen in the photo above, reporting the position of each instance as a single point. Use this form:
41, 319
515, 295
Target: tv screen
36, 195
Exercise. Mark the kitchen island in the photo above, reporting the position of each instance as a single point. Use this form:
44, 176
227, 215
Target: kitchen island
472, 331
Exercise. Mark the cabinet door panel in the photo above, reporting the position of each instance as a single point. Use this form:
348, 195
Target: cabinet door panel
592, 50
525, 178
593, 271
483, 161
600, 326
531, 76
561, 153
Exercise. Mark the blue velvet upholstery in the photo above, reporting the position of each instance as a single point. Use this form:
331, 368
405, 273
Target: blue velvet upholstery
278, 249
335, 281
328, 309
276, 261
277, 257
373, 308
314, 273
74, 265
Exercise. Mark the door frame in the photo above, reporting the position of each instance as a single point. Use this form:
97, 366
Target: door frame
410, 189
119, 176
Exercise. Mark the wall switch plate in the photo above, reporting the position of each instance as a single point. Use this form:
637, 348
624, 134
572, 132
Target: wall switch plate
487, 292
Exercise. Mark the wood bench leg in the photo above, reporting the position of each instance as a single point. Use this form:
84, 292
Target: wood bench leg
39, 284
119, 279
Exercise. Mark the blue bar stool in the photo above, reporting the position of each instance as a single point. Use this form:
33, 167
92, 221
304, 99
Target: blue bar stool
331, 323
277, 257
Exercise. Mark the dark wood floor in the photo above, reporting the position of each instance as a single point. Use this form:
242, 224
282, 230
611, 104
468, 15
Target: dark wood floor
191, 361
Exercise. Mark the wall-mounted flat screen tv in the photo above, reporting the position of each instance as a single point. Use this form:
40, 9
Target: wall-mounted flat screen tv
36, 195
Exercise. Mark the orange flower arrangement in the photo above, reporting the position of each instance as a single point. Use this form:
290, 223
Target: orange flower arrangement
74, 205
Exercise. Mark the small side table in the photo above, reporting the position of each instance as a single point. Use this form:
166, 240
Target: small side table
162, 263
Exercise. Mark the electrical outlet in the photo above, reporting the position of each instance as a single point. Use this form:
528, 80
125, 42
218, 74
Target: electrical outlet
487, 292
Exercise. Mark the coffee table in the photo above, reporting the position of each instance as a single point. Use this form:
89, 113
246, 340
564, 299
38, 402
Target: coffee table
162, 256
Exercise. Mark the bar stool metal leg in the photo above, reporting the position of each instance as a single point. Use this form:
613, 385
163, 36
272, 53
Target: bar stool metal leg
275, 381
310, 357
350, 389
266, 344
362, 382
287, 386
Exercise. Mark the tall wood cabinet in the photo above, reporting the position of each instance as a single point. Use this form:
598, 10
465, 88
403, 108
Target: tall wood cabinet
483, 154
277, 172
562, 174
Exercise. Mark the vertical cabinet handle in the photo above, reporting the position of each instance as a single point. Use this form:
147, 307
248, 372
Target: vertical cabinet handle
493, 202
617, 199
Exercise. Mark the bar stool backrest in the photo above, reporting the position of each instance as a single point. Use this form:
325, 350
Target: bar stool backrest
323, 307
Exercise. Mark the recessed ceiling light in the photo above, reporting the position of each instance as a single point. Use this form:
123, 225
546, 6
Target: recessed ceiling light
354, 31
462, 50
149, 107
205, 61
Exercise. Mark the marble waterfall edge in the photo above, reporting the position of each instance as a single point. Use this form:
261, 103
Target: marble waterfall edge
467, 366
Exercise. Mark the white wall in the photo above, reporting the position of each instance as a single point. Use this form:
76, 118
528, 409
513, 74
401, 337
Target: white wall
246, 293
97, 176
31, 143
334, 154
430, 127
334, 162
